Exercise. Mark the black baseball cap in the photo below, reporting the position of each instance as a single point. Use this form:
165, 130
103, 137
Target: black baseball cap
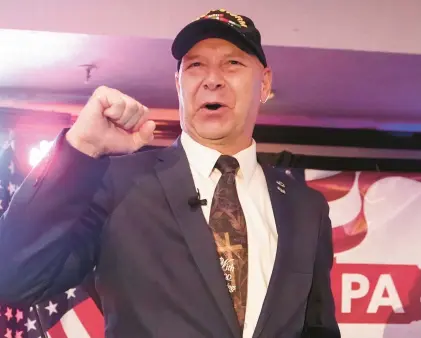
220, 23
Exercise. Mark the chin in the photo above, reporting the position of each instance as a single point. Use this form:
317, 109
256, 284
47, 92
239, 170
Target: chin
212, 134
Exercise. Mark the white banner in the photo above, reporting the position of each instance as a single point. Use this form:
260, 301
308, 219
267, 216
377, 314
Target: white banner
376, 278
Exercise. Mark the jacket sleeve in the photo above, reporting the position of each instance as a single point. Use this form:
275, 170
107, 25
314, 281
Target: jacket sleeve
320, 320
49, 235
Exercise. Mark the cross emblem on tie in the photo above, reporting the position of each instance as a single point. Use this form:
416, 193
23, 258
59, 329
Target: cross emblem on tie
229, 253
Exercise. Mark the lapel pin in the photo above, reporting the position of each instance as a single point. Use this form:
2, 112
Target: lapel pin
281, 190
281, 187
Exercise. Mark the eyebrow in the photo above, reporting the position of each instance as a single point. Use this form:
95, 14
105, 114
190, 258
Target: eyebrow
226, 55
235, 53
192, 56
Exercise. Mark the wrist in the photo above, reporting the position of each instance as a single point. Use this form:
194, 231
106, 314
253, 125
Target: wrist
81, 145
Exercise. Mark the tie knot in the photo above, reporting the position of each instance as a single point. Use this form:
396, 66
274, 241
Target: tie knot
227, 164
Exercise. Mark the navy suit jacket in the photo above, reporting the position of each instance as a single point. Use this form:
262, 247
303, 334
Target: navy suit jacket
157, 269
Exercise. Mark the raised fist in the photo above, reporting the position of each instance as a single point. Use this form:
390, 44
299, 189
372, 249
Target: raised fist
111, 123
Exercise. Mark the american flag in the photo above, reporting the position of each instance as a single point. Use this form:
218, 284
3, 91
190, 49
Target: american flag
72, 314
12, 319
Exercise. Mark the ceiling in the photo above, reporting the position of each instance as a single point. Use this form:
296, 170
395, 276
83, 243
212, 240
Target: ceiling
354, 65
368, 25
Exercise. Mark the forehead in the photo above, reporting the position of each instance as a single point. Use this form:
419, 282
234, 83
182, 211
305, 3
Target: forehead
213, 47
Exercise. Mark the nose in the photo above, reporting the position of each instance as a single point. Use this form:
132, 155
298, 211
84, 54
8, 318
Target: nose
214, 80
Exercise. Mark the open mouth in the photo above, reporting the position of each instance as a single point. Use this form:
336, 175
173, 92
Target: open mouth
213, 106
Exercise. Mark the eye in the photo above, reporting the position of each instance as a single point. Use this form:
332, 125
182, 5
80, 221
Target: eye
194, 64
234, 62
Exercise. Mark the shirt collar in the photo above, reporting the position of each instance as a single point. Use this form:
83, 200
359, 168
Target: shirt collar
203, 159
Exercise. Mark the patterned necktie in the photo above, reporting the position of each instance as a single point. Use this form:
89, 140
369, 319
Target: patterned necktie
228, 224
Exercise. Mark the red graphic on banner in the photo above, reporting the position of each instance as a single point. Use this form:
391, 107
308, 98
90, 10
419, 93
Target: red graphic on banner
349, 235
368, 293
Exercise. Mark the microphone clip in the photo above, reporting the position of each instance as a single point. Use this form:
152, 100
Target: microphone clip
195, 201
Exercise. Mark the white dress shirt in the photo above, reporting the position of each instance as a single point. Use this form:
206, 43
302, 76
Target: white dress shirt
257, 207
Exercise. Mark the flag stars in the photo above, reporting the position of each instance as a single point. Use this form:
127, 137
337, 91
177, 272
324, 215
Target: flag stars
12, 188
8, 333
12, 167
71, 293
52, 308
30, 325
9, 314
19, 315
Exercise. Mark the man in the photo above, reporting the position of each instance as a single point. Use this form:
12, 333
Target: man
195, 240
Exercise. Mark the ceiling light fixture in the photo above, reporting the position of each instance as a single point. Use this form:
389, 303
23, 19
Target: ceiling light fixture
88, 70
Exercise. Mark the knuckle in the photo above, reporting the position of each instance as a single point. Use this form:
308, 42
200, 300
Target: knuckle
132, 106
143, 111
113, 114
100, 90
119, 106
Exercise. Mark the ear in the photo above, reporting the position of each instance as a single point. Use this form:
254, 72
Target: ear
266, 85
177, 82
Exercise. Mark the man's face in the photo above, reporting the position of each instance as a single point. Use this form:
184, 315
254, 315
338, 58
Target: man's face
220, 88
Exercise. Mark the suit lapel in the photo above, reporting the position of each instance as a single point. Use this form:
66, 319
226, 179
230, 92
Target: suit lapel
175, 176
278, 191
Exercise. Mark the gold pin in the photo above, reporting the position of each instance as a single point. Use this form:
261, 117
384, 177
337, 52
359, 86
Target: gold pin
281, 186
281, 190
